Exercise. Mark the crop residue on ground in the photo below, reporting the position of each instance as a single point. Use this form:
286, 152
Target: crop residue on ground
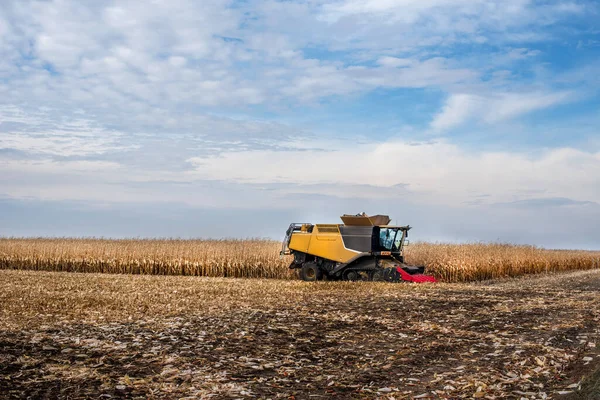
87, 335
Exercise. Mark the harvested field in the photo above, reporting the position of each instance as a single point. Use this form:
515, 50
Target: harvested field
260, 258
65, 335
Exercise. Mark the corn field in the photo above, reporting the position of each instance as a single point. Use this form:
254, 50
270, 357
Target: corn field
260, 258
481, 261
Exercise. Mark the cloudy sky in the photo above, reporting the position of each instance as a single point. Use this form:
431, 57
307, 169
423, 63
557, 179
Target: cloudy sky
467, 119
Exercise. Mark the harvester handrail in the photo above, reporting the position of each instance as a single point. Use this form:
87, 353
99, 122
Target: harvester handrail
294, 226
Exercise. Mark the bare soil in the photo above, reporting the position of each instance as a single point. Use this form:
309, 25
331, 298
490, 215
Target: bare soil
66, 335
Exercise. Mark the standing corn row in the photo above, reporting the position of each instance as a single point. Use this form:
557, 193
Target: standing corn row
257, 258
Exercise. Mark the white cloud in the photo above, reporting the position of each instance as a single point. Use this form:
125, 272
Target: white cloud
432, 174
522, 53
395, 62
50, 167
41, 133
148, 75
511, 105
467, 16
128, 55
462, 107
435, 172
407, 11
457, 109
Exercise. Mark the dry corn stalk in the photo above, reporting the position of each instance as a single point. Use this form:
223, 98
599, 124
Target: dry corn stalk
257, 258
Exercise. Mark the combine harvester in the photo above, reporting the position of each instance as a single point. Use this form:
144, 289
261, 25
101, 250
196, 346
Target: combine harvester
362, 248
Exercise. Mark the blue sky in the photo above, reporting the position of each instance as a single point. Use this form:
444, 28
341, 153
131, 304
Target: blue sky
467, 119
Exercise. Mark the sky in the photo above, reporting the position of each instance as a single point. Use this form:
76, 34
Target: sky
470, 120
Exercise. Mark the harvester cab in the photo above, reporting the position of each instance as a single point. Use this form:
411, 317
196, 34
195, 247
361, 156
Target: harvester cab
362, 248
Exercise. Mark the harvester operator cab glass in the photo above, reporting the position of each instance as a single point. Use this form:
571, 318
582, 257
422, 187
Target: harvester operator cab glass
390, 239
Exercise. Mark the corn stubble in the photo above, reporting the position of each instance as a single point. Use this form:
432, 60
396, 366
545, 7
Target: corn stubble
257, 258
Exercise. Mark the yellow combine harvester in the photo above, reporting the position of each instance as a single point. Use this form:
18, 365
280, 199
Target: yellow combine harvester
362, 248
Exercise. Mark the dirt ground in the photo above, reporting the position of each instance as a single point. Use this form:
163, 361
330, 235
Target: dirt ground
65, 335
